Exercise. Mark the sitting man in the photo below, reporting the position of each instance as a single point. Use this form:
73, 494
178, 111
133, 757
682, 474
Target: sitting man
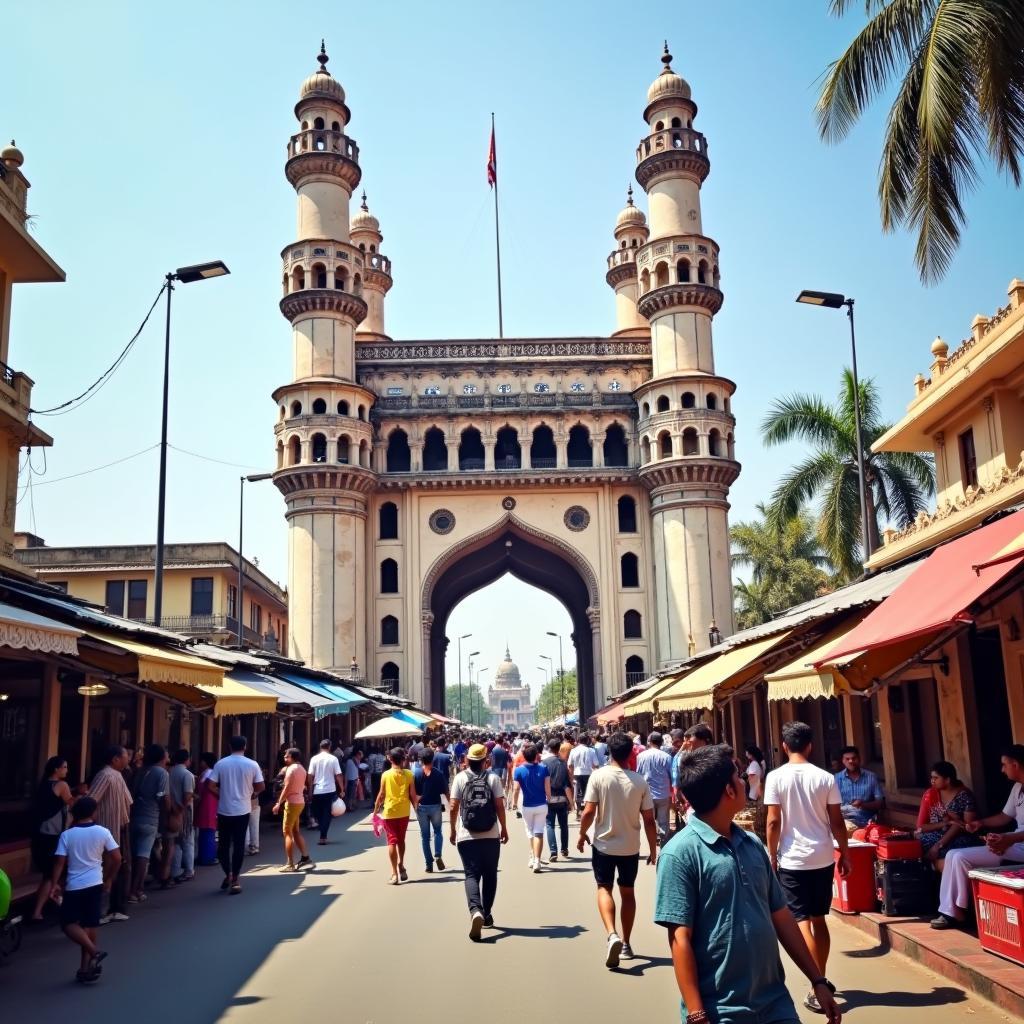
860, 791
955, 890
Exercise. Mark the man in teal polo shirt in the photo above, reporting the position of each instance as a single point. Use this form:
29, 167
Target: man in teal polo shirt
724, 908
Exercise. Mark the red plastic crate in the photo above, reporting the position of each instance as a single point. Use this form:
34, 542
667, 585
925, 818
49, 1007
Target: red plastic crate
855, 894
899, 847
999, 908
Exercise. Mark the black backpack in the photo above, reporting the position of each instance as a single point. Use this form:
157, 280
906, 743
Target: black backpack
477, 804
559, 773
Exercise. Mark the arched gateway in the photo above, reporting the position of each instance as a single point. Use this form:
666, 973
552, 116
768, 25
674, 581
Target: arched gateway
416, 472
510, 546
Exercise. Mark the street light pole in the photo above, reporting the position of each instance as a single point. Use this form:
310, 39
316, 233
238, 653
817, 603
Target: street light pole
469, 673
239, 597
186, 275
833, 300
479, 672
461, 638
561, 672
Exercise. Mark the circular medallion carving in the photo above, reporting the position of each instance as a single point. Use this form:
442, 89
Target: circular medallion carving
442, 521
577, 518
508, 504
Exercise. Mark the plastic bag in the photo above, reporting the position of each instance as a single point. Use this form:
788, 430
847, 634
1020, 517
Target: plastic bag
338, 808
378, 826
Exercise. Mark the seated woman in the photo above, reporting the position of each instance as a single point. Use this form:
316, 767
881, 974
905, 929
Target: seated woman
946, 806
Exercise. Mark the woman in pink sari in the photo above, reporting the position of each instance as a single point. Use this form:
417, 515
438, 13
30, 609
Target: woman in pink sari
206, 812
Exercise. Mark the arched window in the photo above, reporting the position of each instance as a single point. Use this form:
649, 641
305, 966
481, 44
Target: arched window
691, 445
294, 451
633, 242
471, 449
616, 449
296, 408
344, 450
343, 408
580, 451
631, 626
712, 400
645, 450
357, 285
435, 451
389, 677
661, 275
280, 454
663, 403
683, 271
507, 453
399, 458
543, 454
646, 409
319, 448
387, 521
388, 631
629, 570
730, 446
319, 407
627, 514
298, 279
635, 670
702, 272
361, 412
284, 412
715, 276
714, 443
689, 400
339, 280
676, 123
318, 124
389, 576
319, 273
335, 127
362, 247
645, 282
665, 444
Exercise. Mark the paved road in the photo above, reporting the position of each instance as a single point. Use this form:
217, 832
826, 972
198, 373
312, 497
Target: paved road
344, 945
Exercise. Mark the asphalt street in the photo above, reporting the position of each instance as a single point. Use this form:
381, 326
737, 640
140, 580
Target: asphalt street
339, 944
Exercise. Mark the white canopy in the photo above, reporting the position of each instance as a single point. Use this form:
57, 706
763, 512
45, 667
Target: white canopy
28, 631
390, 726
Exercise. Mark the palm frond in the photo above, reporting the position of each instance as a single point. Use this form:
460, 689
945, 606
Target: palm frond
1000, 85
803, 417
839, 524
799, 486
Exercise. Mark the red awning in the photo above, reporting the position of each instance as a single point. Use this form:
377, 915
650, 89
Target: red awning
611, 714
940, 592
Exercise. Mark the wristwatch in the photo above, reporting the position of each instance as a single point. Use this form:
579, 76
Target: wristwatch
824, 981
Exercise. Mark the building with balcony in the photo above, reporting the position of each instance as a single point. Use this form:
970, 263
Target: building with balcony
22, 260
200, 597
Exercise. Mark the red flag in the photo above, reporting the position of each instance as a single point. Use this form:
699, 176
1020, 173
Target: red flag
492, 161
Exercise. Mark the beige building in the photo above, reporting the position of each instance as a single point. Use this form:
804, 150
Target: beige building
22, 260
508, 698
200, 587
416, 472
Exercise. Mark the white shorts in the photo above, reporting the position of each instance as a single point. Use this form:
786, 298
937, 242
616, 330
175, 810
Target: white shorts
535, 819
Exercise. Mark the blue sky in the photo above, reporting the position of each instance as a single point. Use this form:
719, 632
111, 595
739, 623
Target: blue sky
154, 137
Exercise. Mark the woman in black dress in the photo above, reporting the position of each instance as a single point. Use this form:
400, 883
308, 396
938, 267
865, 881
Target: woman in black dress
49, 818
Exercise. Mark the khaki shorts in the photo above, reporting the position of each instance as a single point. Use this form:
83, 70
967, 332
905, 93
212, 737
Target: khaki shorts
292, 813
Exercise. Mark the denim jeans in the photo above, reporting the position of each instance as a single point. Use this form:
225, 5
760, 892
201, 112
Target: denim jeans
183, 859
430, 817
559, 813
661, 809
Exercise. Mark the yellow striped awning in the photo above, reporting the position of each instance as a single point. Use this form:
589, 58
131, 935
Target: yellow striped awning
696, 691
164, 664
234, 698
643, 703
800, 679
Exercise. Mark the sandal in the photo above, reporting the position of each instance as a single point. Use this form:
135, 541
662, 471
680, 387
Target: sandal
403, 874
393, 880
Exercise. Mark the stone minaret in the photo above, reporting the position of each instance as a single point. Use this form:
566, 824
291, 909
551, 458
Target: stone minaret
324, 437
630, 233
686, 425
376, 273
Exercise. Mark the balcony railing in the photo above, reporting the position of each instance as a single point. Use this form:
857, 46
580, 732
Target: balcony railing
199, 625
509, 462
7, 375
634, 678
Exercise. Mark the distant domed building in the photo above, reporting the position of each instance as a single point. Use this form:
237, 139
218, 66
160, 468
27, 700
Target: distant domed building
508, 699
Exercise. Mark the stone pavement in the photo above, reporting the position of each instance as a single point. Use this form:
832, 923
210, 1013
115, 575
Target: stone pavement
339, 944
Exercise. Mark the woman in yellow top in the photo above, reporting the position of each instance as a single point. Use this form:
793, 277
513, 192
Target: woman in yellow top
396, 801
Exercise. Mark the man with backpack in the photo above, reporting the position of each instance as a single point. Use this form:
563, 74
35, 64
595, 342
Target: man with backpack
478, 831
561, 797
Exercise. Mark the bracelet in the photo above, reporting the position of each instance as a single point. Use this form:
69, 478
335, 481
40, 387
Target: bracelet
697, 1017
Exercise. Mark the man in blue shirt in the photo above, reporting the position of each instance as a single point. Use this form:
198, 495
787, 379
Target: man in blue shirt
724, 908
460, 752
655, 765
533, 784
859, 789
431, 786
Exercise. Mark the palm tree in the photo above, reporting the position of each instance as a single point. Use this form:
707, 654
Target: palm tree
787, 565
962, 92
899, 484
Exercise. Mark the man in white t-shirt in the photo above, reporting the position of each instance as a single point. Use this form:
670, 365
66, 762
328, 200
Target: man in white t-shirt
803, 817
235, 780
955, 890
583, 762
325, 781
92, 859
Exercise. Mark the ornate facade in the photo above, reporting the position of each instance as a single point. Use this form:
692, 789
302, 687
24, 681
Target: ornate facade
509, 698
415, 472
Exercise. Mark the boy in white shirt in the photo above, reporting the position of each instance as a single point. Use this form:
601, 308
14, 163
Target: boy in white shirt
92, 859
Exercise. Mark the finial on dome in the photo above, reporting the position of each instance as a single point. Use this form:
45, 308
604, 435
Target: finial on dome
322, 58
508, 657
666, 58
939, 348
629, 196
363, 206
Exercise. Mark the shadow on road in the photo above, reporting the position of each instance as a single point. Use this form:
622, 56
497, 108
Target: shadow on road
851, 999
548, 931
639, 965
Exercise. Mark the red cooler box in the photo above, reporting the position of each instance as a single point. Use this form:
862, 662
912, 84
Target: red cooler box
899, 846
999, 908
856, 893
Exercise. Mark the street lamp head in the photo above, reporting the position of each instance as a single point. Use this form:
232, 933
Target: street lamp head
833, 300
201, 271
551, 634
474, 654
256, 477
465, 635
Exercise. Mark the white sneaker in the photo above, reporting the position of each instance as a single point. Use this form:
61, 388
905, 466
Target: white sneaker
536, 866
529, 863
476, 924
611, 959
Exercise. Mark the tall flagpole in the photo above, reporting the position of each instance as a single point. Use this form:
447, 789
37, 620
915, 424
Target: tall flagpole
493, 169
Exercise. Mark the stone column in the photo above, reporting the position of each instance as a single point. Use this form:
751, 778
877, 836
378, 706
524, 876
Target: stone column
489, 443
416, 456
594, 617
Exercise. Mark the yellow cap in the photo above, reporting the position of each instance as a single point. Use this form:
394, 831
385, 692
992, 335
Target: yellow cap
477, 752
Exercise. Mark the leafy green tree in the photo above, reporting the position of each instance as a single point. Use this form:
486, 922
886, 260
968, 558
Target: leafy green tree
549, 704
899, 484
961, 64
474, 704
786, 563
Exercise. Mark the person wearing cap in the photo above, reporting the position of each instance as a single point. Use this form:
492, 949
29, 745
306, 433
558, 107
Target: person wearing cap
478, 847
